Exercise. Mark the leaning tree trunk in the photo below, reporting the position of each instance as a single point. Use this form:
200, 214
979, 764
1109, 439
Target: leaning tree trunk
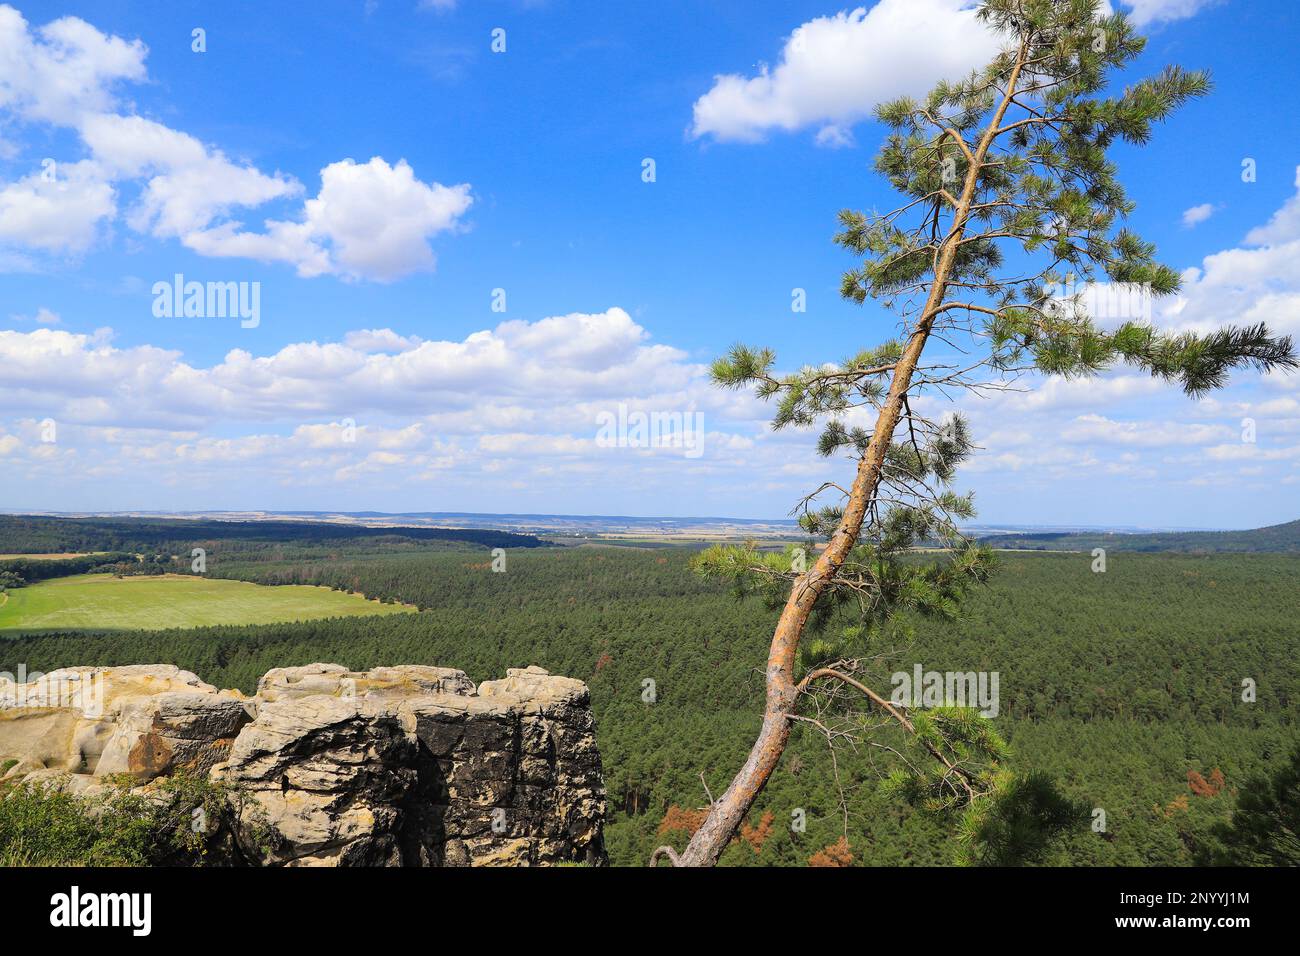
726, 814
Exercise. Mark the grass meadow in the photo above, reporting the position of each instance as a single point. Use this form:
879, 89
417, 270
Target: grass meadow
107, 602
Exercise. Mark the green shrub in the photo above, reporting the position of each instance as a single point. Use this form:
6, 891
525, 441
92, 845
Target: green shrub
176, 824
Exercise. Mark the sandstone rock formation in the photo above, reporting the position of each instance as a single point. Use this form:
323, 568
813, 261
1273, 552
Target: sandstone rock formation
138, 720
407, 765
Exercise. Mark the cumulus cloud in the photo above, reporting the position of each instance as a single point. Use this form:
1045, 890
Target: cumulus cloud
513, 414
185, 184
378, 410
63, 69
1197, 214
1283, 226
1145, 13
1056, 393
834, 70
1058, 428
369, 220
1148, 434
1246, 451
379, 340
377, 217
1253, 282
569, 363
52, 214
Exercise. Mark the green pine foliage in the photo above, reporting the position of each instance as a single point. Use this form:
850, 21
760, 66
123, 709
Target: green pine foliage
1265, 827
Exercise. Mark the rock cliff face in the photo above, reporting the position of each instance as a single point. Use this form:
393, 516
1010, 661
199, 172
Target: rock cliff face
394, 766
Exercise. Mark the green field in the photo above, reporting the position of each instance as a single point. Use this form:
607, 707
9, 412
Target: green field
53, 556
106, 602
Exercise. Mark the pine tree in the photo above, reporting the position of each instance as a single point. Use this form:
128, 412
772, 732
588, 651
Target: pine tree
1265, 826
1011, 207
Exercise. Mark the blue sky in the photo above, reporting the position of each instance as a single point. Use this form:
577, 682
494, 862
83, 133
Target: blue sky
380, 172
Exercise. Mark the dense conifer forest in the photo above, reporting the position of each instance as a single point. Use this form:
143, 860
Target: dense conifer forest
1274, 538
33, 534
1126, 687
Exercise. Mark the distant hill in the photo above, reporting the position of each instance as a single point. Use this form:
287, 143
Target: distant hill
1278, 538
25, 534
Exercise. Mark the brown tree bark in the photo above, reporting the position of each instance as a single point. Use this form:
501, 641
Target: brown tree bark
726, 814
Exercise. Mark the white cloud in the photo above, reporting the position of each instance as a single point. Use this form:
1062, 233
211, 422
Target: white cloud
523, 445
1197, 214
832, 136
1245, 451
511, 414
379, 411
380, 340
186, 184
61, 214
1056, 393
587, 342
1284, 224
554, 367
1255, 282
43, 316
1148, 434
1147, 12
834, 70
1155, 434
63, 69
377, 219
368, 221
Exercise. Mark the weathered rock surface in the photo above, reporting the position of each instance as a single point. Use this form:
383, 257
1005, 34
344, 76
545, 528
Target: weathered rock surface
140, 720
407, 765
